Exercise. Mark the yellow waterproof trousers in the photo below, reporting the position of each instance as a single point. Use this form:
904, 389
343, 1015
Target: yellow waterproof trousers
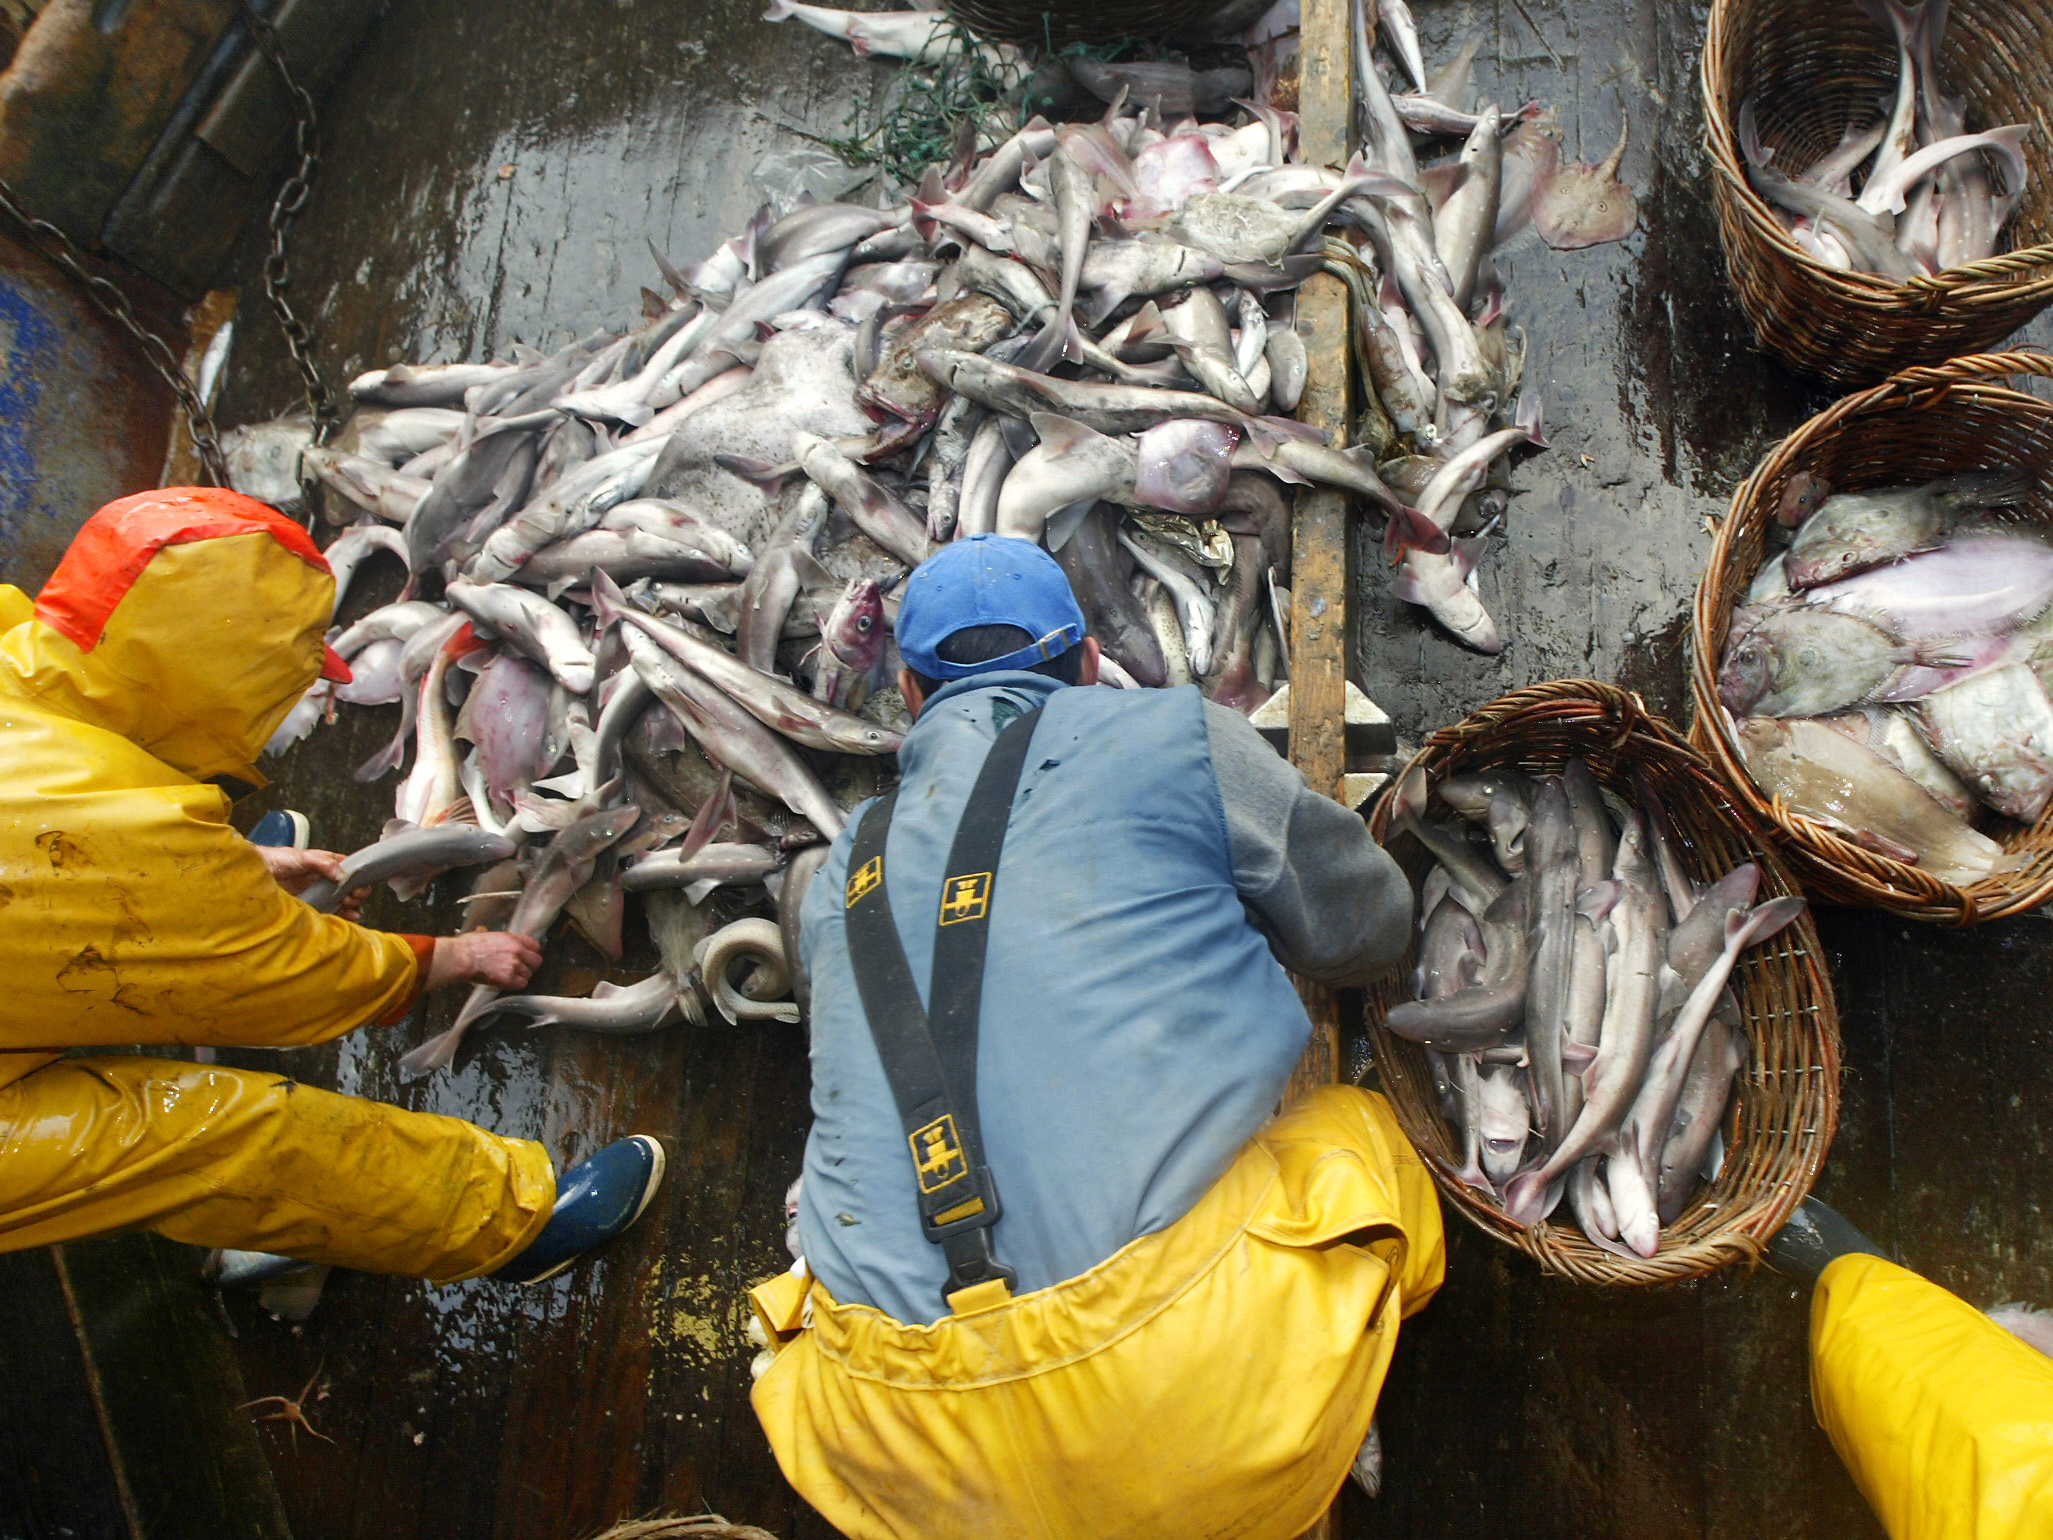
257, 1162
1213, 1379
1944, 1418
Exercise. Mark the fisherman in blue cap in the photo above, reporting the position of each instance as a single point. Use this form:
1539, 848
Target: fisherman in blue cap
1065, 1270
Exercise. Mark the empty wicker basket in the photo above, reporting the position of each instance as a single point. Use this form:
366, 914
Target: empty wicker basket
1920, 425
1816, 66
1787, 1103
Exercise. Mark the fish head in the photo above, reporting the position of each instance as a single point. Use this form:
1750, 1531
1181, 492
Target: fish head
1504, 1120
1748, 672
1801, 496
855, 627
1851, 534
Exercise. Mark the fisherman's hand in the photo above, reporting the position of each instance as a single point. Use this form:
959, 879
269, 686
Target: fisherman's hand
502, 958
297, 870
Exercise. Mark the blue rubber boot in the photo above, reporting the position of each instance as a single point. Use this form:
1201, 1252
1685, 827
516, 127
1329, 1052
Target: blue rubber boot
1815, 1235
284, 829
595, 1201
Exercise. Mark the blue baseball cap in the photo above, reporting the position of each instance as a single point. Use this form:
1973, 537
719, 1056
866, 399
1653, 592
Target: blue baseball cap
986, 580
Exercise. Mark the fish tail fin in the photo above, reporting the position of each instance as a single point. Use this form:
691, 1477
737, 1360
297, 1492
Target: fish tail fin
437, 1052
1409, 530
1757, 154
1525, 1196
1411, 794
1051, 345
386, 760
609, 604
1763, 921
780, 10
1987, 489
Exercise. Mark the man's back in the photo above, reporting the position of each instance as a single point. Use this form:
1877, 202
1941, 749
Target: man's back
1136, 1029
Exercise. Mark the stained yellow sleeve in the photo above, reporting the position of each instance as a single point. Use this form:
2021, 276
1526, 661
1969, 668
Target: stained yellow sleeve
142, 917
1943, 1418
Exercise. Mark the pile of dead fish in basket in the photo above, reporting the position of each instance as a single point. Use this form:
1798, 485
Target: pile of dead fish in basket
693, 528
1926, 200
1888, 673
1573, 998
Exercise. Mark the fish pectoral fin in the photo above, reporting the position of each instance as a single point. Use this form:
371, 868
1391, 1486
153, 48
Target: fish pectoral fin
1404, 583
1579, 1059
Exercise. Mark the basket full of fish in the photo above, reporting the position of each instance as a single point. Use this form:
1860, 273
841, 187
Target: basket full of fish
1872, 218
1874, 644
1614, 1040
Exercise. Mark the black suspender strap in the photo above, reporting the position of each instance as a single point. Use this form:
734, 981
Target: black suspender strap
930, 1057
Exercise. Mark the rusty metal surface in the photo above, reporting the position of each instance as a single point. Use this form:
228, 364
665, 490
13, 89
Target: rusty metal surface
492, 175
81, 420
89, 90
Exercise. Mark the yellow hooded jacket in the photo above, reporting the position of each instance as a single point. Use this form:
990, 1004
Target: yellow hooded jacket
175, 635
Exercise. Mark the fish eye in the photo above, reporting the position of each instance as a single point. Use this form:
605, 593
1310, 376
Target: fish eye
1846, 558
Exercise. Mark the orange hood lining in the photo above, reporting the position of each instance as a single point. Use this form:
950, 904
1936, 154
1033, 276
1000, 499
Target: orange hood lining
114, 546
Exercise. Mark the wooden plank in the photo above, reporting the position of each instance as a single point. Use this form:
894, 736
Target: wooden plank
1318, 604
1319, 543
167, 1393
55, 1477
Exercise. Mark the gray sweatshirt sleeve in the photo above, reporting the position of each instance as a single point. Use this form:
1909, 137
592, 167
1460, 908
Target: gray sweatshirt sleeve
1334, 905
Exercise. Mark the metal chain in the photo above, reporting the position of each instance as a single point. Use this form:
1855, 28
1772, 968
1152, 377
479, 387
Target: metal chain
108, 297
292, 198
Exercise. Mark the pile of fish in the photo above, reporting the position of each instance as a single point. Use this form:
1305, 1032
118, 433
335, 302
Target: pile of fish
1414, 244
1573, 997
1926, 199
1888, 673
691, 530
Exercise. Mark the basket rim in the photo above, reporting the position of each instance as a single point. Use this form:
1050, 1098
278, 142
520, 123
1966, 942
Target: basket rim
1742, 1232
1851, 873
1999, 281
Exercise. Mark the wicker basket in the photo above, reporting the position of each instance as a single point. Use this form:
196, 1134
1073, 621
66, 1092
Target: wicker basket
1070, 23
1787, 1104
1813, 69
1921, 424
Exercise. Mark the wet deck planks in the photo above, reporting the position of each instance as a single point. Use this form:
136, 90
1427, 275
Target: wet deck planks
490, 177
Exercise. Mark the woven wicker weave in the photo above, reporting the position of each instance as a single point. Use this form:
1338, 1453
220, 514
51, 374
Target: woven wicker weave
1071, 23
1787, 1105
1816, 66
1921, 424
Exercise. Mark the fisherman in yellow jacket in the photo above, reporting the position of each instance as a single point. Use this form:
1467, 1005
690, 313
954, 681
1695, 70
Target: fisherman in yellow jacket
179, 629
1943, 1417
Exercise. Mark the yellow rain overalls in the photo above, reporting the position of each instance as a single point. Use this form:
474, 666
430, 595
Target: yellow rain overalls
1944, 1419
1213, 1379
176, 633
